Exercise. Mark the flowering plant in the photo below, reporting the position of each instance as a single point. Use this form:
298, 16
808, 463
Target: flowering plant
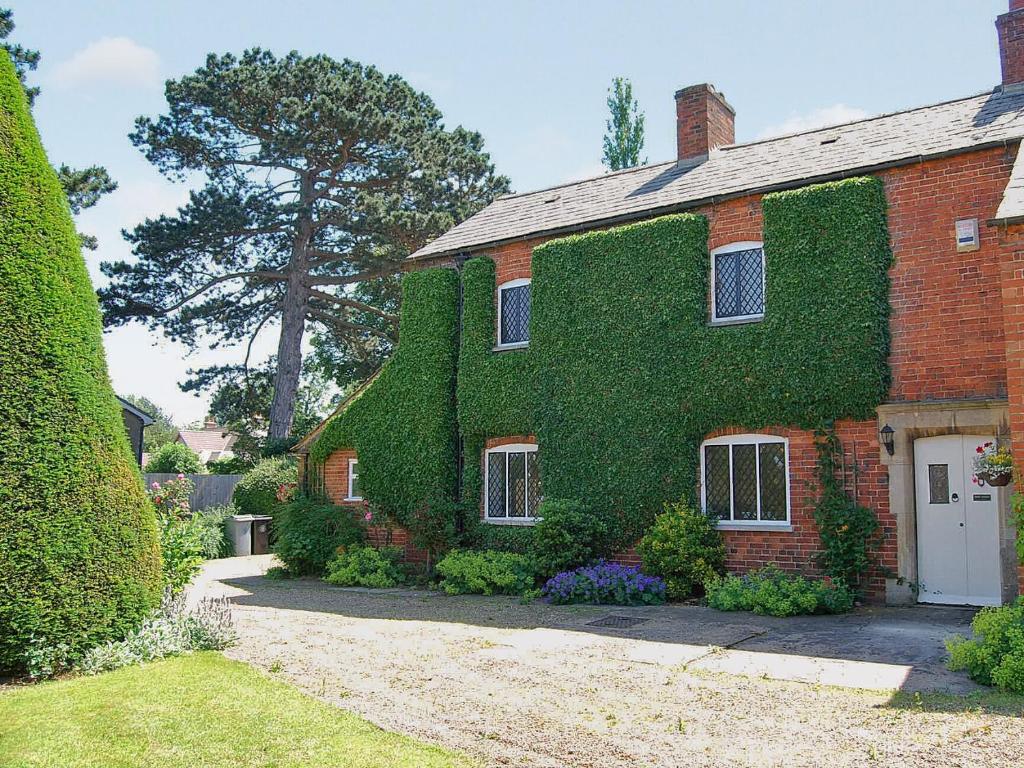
992, 462
605, 583
171, 497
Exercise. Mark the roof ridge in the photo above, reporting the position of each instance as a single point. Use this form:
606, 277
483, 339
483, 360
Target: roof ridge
585, 179
867, 119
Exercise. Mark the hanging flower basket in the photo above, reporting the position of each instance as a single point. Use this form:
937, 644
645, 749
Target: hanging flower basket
994, 465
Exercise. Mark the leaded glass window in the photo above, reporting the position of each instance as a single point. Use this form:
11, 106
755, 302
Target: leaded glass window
746, 479
739, 284
512, 482
514, 313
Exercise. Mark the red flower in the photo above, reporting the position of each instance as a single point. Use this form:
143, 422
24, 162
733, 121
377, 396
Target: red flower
979, 449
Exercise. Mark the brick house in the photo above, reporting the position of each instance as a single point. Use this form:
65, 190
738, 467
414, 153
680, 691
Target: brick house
955, 211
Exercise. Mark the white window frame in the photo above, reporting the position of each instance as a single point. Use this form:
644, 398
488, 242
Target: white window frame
510, 448
353, 472
740, 245
518, 282
747, 439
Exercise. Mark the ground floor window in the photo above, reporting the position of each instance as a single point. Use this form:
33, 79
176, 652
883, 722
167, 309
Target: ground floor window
512, 482
745, 479
355, 489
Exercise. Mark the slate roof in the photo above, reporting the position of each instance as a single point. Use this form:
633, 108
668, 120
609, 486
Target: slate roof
214, 438
989, 119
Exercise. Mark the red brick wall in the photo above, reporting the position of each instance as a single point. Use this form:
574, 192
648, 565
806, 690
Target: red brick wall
336, 486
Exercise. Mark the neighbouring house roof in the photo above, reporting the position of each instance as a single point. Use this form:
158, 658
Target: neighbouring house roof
125, 405
212, 439
989, 119
302, 447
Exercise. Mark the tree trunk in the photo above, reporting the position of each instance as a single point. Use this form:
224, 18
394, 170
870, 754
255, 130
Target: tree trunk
293, 320
289, 359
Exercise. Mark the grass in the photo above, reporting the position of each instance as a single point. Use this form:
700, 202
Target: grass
196, 710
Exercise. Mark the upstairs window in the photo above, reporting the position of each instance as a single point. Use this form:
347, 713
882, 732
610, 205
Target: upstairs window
512, 482
355, 490
514, 313
737, 279
745, 479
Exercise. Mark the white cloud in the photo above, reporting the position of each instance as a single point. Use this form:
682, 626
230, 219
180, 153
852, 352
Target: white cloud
816, 118
110, 61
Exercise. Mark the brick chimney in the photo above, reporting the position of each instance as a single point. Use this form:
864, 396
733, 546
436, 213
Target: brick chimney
1010, 27
704, 120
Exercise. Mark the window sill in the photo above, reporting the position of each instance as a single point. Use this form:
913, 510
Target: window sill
726, 321
516, 522
353, 498
510, 347
779, 527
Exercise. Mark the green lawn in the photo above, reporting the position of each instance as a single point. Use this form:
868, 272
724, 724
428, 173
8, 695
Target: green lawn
191, 711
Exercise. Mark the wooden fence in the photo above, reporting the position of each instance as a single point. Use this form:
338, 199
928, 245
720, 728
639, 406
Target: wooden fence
211, 490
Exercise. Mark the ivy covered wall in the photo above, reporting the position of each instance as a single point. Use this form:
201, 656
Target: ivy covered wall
624, 376
402, 427
627, 374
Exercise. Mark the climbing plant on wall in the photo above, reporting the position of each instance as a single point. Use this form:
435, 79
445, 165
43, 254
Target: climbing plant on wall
402, 426
624, 376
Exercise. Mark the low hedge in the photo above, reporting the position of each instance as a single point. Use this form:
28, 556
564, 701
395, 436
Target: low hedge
485, 573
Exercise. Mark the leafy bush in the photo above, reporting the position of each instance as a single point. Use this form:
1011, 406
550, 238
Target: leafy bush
79, 551
175, 457
568, 535
996, 655
684, 548
605, 584
169, 632
213, 532
256, 492
309, 533
234, 465
366, 567
485, 573
775, 593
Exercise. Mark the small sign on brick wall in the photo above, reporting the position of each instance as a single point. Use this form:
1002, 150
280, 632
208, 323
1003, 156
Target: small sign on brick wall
967, 238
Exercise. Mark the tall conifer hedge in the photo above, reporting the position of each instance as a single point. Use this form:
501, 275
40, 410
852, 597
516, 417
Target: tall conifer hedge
79, 552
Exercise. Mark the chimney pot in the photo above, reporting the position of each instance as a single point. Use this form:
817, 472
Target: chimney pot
704, 120
1010, 27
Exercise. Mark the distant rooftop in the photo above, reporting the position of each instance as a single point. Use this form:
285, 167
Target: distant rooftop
989, 119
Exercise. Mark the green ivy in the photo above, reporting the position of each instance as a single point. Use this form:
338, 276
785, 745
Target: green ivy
624, 376
402, 427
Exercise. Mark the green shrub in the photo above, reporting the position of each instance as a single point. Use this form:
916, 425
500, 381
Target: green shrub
309, 533
569, 535
996, 654
684, 548
485, 573
848, 531
366, 567
257, 492
771, 591
79, 551
181, 545
235, 465
175, 457
213, 530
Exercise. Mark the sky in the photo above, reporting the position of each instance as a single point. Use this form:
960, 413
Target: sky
531, 77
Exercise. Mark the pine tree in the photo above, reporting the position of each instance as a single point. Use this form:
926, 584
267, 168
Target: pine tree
625, 128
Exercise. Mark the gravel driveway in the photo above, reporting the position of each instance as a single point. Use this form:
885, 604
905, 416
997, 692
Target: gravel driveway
539, 685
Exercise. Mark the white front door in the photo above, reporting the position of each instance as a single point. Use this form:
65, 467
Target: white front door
957, 523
